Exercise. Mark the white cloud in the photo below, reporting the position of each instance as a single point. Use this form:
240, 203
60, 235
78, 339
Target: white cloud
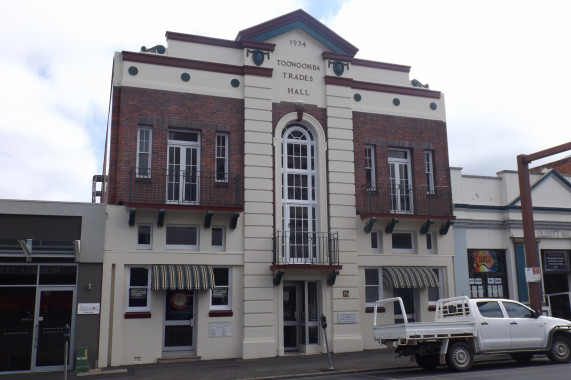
502, 66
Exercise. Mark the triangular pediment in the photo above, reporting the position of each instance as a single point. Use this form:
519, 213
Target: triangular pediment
298, 20
552, 190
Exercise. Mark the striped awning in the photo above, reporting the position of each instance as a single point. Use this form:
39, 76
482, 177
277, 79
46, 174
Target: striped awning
182, 277
409, 277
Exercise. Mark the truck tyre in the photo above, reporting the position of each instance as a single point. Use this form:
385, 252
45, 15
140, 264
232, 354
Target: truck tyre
522, 357
459, 357
560, 351
427, 361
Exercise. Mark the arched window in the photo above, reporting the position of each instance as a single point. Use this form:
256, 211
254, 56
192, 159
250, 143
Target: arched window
299, 194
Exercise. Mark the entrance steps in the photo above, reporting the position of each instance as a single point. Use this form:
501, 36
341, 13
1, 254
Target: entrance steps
172, 359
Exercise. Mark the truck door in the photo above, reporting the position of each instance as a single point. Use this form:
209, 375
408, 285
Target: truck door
493, 327
525, 330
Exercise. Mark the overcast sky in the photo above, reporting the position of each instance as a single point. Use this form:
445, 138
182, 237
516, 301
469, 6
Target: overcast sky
503, 67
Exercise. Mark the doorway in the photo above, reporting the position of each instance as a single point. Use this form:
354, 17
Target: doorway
300, 314
407, 295
32, 324
179, 320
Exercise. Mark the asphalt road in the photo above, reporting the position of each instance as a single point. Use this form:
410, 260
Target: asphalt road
539, 368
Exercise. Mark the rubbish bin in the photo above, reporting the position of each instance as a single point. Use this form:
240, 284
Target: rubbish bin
81, 360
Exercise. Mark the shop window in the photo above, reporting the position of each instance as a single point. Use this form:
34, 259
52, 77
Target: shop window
182, 237
144, 144
373, 285
138, 289
487, 270
144, 236
221, 295
218, 238
402, 241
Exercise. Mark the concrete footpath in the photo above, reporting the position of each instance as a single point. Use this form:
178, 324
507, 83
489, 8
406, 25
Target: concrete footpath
284, 367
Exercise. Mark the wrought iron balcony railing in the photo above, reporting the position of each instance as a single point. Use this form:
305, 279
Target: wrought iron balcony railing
309, 248
184, 187
386, 198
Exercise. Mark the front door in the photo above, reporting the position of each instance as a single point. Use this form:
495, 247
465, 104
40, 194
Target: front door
179, 320
55, 309
407, 295
301, 314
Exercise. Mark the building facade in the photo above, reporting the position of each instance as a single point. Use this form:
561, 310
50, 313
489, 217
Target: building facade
488, 236
260, 183
51, 256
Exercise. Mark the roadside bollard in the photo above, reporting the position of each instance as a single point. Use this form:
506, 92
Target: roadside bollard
66, 339
324, 326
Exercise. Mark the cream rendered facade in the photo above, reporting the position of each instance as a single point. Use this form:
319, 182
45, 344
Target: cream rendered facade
489, 220
298, 68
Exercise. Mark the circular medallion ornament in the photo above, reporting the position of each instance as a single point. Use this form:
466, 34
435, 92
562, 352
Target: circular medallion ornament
357, 97
235, 82
396, 102
338, 68
185, 77
133, 70
433, 106
179, 300
258, 57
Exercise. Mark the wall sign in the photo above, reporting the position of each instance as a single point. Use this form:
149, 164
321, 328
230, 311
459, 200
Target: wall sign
88, 308
346, 318
220, 329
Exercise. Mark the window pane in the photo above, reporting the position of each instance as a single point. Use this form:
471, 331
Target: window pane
181, 235
490, 309
220, 276
217, 237
183, 136
402, 240
139, 277
371, 294
137, 297
374, 240
144, 235
371, 277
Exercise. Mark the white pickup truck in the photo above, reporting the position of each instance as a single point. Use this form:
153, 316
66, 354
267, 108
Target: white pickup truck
466, 327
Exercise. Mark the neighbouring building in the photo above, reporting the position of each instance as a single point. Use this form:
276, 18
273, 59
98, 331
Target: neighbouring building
256, 184
51, 256
488, 236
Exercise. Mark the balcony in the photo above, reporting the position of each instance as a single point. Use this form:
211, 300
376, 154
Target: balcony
203, 190
418, 201
306, 249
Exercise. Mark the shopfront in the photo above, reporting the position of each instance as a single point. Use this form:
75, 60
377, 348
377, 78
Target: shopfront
487, 271
37, 303
556, 282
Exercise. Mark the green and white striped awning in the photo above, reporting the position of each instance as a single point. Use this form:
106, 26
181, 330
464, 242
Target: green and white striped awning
409, 277
182, 277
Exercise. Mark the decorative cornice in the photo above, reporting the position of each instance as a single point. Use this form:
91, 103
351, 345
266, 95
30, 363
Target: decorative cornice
196, 65
337, 56
381, 87
381, 65
203, 40
259, 45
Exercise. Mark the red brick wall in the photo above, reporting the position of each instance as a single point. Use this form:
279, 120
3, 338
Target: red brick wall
164, 110
562, 166
416, 135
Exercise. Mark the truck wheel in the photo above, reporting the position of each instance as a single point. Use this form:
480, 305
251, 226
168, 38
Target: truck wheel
459, 357
522, 357
560, 350
427, 361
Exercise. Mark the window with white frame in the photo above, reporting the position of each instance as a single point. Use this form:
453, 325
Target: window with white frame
375, 241
221, 295
434, 294
429, 172
403, 241
218, 238
370, 177
182, 237
144, 146
221, 157
138, 289
373, 285
430, 242
144, 236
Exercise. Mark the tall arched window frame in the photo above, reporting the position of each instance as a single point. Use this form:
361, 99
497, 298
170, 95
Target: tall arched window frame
299, 194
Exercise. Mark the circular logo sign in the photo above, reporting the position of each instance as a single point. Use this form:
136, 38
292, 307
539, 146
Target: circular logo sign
179, 300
